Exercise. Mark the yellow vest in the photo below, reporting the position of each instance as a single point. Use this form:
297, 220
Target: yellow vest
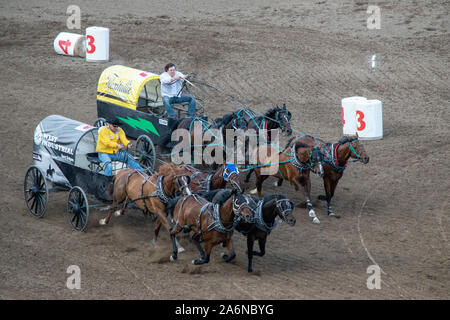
108, 140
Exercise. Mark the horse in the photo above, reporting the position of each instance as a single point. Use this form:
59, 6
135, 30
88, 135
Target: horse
201, 181
264, 222
294, 165
148, 193
190, 124
274, 118
265, 213
207, 181
246, 119
336, 156
212, 223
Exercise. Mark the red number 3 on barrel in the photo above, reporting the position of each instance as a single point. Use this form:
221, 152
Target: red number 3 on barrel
90, 48
361, 123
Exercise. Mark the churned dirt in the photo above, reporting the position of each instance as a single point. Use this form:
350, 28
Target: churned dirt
309, 55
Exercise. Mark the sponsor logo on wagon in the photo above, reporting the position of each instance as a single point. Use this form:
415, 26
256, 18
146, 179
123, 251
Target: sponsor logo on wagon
49, 141
117, 85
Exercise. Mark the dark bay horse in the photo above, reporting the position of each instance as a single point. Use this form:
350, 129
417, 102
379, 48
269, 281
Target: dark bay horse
264, 222
275, 118
212, 224
336, 157
294, 164
201, 181
148, 193
197, 129
246, 121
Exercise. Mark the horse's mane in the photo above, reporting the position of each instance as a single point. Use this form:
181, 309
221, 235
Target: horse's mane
300, 145
270, 197
289, 142
223, 195
168, 169
208, 195
271, 112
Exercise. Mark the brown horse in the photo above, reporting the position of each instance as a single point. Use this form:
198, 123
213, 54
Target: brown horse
212, 223
207, 181
336, 156
149, 193
294, 164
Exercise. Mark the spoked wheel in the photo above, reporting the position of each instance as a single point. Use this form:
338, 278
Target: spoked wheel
36, 191
100, 122
78, 208
145, 153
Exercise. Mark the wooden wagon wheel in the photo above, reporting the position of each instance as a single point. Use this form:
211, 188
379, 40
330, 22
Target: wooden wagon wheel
36, 191
78, 208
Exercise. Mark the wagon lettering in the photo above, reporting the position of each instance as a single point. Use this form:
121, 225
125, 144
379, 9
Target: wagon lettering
119, 86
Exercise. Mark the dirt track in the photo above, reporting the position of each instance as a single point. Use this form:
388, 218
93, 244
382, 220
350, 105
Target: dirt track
395, 210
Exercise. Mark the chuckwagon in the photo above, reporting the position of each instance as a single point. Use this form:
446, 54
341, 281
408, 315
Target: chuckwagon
134, 97
64, 159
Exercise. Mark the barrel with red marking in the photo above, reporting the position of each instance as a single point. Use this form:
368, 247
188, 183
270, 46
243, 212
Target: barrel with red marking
97, 44
69, 44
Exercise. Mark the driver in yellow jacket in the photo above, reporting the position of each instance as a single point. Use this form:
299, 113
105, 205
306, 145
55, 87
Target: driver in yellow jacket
111, 139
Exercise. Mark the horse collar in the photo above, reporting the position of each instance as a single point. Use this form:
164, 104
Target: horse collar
259, 220
159, 192
217, 221
335, 160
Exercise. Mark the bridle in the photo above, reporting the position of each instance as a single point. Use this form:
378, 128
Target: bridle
237, 208
287, 210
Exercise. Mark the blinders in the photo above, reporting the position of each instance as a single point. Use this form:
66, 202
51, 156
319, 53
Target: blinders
288, 206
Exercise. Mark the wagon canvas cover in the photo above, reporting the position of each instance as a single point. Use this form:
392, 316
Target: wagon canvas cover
55, 140
122, 85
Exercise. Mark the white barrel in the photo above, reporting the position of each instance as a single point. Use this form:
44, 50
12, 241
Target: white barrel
349, 106
69, 44
97, 44
369, 120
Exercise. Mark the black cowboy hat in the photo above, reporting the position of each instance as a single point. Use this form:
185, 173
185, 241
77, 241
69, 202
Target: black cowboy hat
115, 122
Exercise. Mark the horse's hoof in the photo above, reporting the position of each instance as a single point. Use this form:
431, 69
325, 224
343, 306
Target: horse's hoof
154, 241
332, 214
312, 214
250, 270
102, 222
253, 191
316, 220
172, 258
117, 213
181, 249
197, 261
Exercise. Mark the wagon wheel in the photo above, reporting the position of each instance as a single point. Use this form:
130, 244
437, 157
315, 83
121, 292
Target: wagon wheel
78, 208
145, 153
100, 122
36, 191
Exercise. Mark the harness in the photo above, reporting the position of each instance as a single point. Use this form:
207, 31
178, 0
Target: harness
208, 181
296, 163
217, 221
333, 159
259, 220
159, 192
